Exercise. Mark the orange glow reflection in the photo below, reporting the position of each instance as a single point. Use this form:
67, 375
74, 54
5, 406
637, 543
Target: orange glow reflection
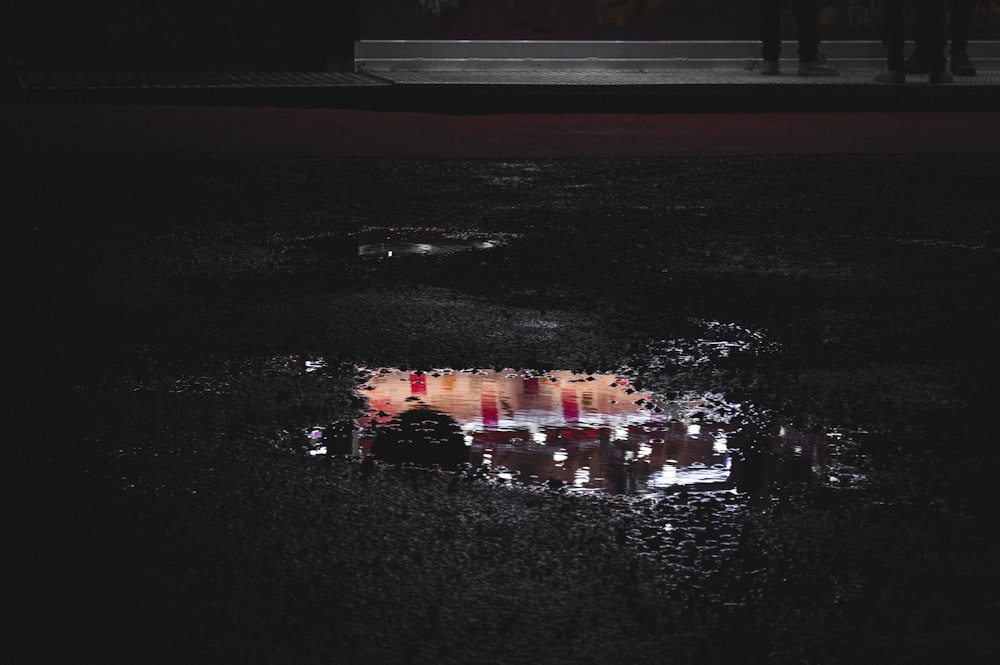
589, 431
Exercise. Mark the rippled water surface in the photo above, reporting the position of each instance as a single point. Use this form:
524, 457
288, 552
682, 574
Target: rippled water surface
587, 432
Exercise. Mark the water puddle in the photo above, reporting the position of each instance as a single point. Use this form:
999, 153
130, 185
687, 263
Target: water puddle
581, 432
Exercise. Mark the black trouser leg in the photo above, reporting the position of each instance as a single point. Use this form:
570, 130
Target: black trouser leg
770, 28
931, 33
892, 32
807, 20
961, 17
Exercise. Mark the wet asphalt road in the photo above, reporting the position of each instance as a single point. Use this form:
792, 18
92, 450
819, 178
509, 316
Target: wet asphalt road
857, 258
154, 286
403, 134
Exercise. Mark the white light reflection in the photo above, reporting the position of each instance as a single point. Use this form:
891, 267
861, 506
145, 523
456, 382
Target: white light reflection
666, 476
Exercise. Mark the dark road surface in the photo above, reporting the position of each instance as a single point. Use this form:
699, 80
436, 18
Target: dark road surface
171, 271
352, 133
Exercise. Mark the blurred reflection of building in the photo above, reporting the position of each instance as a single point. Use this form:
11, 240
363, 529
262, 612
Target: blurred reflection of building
591, 432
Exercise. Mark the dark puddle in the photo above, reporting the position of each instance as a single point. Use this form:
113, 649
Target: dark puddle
581, 432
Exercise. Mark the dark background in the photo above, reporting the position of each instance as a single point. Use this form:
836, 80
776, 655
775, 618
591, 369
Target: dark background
595, 20
319, 34
302, 34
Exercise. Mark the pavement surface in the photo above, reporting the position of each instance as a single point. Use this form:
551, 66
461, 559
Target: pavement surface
361, 133
735, 87
170, 258
469, 114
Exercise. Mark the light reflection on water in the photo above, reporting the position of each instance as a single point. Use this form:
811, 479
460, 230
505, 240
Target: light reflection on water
590, 432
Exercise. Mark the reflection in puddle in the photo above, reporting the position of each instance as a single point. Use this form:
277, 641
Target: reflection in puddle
586, 432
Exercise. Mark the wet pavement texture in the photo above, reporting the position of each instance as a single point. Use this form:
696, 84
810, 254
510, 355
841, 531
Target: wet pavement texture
346, 132
186, 318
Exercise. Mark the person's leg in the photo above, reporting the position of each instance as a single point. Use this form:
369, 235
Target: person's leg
932, 32
892, 39
917, 62
931, 36
770, 29
807, 22
961, 17
892, 27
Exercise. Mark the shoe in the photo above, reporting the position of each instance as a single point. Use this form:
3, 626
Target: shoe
817, 67
894, 76
961, 66
770, 68
915, 65
938, 76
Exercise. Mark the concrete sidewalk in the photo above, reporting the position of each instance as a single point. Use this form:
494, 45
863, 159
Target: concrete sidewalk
676, 90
